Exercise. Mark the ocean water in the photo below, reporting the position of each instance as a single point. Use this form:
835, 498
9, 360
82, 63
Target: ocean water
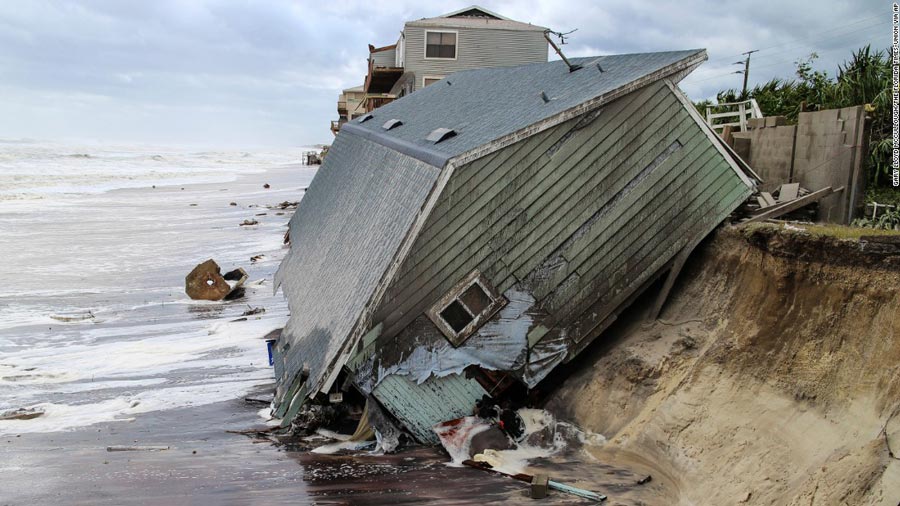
107, 234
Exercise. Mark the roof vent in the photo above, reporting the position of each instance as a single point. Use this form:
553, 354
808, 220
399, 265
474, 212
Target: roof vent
391, 124
440, 134
544, 97
365, 118
600, 68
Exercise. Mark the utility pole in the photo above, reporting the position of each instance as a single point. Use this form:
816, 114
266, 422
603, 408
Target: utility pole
746, 71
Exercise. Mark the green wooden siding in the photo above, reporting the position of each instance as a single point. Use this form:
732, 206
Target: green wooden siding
421, 407
610, 197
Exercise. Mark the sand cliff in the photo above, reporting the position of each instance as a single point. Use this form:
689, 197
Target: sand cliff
772, 377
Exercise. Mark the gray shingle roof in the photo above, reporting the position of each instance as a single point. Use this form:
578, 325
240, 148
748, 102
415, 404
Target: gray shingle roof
484, 105
344, 234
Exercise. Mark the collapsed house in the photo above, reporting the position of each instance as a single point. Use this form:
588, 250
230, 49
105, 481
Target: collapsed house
484, 230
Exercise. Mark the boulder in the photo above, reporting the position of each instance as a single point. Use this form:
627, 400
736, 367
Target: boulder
205, 282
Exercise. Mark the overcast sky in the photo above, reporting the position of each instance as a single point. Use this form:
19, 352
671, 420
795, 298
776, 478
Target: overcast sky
248, 73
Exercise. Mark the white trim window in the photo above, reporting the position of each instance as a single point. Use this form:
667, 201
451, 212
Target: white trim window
429, 80
465, 308
441, 45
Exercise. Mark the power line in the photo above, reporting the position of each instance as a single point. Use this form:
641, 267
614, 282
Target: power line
771, 64
832, 38
806, 39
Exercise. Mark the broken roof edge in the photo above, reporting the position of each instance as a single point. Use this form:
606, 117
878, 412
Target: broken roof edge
373, 49
737, 165
680, 69
421, 153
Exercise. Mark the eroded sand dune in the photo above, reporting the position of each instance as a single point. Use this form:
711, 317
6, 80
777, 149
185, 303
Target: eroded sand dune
773, 377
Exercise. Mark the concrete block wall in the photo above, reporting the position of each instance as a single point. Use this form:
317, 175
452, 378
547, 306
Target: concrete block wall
771, 150
825, 148
828, 149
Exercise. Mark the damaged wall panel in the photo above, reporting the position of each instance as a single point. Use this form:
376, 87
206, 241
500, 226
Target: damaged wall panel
420, 406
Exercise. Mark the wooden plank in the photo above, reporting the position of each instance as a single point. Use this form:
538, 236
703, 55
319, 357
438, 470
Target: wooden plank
788, 192
791, 206
677, 265
768, 199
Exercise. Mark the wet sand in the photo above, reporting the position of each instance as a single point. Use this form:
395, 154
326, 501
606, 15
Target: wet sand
207, 465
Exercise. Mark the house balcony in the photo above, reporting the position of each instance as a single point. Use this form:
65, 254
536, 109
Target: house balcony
375, 101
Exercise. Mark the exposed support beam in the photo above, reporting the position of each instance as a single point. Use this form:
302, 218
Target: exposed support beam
674, 271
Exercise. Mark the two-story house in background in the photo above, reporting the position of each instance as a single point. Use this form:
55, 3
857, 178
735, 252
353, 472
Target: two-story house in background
430, 49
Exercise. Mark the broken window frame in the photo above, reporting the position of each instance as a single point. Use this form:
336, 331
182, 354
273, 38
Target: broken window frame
441, 46
457, 338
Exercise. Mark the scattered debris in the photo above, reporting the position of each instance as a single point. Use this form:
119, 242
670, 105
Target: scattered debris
788, 192
205, 282
254, 400
254, 310
645, 479
266, 186
554, 485
74, 317
232, 204
313, 158
765, 200
256, 258
21, 414
786, 207
285, 205
261, 214
249, 223
136, 448
235, 275
539, 485
193, 205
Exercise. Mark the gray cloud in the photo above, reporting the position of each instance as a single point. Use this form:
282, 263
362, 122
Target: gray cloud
235, 72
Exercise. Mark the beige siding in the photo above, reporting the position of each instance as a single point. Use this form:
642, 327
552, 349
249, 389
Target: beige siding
476, 48
386, 58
